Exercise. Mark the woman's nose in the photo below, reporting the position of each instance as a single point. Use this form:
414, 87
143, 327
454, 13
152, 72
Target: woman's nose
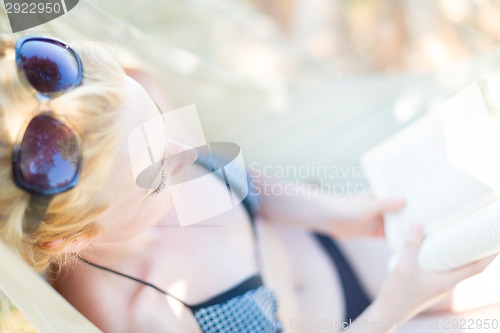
178, 156
173, 147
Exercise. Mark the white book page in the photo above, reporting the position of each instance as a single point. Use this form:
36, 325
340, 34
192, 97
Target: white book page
474, 237
415, 164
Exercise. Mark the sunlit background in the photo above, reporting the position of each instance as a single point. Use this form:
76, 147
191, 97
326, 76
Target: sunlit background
333, 37
357, 68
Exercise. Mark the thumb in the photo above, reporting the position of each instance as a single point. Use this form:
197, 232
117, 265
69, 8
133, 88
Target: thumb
471, 269
412, 243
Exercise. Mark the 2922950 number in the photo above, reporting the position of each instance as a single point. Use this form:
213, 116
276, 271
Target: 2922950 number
471, 324
33, 8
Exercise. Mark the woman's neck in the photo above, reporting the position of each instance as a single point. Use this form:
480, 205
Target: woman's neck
140, 248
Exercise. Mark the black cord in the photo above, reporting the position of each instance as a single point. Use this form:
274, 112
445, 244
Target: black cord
130, 277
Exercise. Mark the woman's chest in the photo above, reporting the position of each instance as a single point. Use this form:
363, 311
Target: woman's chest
206, 258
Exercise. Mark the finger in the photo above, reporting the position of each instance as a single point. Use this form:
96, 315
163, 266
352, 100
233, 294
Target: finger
471, 269
412, 243
378, 227
391, 205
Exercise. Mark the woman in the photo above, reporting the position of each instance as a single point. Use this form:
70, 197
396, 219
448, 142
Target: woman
69, 199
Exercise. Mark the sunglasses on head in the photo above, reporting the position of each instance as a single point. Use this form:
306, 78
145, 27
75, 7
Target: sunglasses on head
47, 155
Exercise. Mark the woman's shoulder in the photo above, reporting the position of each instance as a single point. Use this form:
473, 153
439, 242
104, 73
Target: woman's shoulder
115, 305
90, 295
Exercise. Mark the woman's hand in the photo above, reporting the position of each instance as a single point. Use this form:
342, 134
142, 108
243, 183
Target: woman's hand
361, 215
408, 289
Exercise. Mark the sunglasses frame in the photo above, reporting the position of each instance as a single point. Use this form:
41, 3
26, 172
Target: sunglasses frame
18, 180
19, 63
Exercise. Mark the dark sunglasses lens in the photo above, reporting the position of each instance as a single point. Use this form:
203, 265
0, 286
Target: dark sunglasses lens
49, 66
49, 154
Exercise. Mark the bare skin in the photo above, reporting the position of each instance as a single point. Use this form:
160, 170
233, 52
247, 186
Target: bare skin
310, 290
146, 243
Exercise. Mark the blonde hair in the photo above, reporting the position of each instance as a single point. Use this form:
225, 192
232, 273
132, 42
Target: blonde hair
91, 109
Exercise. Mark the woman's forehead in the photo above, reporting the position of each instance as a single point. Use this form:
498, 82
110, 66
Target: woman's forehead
137, 107
142, 133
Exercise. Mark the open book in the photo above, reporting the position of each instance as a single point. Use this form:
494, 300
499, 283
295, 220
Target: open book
447, 167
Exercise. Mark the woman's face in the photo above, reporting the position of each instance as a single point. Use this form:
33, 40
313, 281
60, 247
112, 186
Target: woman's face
134, 208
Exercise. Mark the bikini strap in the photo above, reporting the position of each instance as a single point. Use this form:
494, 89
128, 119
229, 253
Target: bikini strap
131, 278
